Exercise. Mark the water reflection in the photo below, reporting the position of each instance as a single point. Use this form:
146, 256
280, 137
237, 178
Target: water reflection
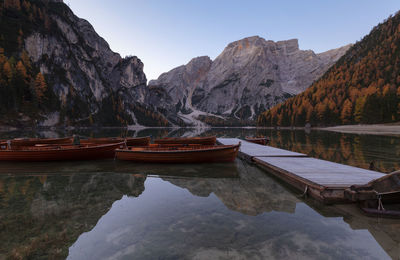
41, 216
111, 209
244, 215
352, 149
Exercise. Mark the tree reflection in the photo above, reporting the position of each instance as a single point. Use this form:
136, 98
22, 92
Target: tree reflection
41, 216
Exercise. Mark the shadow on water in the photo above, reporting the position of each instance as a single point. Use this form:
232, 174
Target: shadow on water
110, 209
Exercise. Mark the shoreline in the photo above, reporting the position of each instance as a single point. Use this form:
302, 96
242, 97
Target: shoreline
373, 129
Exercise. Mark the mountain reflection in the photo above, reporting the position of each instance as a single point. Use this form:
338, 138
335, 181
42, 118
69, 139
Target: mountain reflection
45, 208
251, 194
41, 216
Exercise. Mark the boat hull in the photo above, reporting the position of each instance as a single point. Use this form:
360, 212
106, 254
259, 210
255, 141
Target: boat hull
209, 140
203, 155
62, 153
262, 141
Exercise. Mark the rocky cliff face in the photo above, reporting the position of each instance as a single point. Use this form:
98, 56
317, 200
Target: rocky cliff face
92, 84
248, 77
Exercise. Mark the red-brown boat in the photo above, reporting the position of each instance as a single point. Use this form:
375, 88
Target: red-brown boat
50, 152
131, 141
257, 140
35, 141
180, 154
207, 140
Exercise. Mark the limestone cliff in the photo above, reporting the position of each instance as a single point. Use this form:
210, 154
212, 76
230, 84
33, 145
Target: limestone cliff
249, 76
89, 83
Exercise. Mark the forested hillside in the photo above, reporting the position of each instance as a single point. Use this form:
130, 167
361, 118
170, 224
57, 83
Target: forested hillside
23, 89
55, 70
362, 87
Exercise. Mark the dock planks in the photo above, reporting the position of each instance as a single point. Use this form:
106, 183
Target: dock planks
323, 180
250, 150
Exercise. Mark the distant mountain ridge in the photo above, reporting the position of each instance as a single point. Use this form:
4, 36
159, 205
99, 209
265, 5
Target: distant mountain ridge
362, 87
248, 77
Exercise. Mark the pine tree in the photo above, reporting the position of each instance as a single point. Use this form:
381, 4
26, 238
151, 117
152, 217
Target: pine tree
347, 112
12, 4
40, 87
8, 71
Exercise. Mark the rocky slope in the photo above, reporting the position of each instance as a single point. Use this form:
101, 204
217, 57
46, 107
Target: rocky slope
248, 77
89, 83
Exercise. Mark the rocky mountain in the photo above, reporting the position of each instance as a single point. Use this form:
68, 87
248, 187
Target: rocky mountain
362, 87
56, 70
248, 77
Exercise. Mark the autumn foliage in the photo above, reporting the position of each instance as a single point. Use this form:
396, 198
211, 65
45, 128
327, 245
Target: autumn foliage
362, 87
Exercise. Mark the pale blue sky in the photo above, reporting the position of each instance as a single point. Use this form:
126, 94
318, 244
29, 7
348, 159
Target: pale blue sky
165, 34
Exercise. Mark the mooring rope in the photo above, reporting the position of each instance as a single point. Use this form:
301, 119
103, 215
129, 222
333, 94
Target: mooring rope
304, 193
380, 204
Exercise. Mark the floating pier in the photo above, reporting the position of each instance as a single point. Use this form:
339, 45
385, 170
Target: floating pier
320, 179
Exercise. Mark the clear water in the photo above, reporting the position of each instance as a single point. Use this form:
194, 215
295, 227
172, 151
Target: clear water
118, 210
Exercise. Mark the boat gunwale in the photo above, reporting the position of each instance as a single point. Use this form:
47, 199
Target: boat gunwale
217, 148
116, 138
95, 146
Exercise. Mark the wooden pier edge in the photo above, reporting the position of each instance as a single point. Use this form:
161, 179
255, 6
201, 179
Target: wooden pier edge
318, 192
322, 180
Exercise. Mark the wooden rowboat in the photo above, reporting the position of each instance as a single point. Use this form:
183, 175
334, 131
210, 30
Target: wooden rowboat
58, 152
131, 141
207, 140
258, 140
35, 141
180, 154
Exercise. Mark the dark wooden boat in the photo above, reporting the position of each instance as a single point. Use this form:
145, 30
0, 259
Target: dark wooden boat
257, 140
49, 152
131, 141
35, 141
180, 154
207, 140
380, 197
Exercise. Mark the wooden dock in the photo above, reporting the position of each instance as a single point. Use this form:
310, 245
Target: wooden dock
320, 179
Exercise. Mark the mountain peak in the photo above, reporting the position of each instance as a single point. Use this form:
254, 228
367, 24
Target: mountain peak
290, 45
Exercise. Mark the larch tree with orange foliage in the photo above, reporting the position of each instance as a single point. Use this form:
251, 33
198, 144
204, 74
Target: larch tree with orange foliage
40, 87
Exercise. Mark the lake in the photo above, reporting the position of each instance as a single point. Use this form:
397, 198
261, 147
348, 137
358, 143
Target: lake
120, 210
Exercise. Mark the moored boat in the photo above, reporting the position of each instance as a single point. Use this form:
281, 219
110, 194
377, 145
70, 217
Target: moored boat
180, 154
130, 141
257, 140
206, 140
387, 205
35, 141
380, 197
49, 152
